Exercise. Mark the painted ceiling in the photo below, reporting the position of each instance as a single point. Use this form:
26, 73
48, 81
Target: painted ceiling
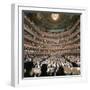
52, 21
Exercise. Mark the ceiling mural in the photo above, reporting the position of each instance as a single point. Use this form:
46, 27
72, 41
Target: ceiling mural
52, 21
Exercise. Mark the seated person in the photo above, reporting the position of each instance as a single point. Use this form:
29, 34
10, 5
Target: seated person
44, 70
60, 71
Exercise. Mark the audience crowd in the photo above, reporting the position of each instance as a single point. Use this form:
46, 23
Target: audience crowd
50, 65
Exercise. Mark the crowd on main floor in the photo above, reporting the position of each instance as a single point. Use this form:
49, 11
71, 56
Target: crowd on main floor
51, 65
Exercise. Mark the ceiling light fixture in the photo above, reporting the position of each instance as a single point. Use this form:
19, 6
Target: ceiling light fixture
55, 16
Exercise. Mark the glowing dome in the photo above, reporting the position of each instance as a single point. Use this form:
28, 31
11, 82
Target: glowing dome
55, 16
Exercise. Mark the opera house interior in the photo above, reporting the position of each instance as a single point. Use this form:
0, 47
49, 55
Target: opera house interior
51, 43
